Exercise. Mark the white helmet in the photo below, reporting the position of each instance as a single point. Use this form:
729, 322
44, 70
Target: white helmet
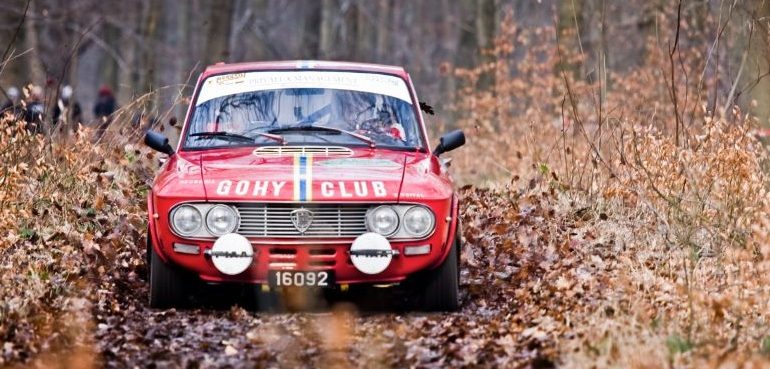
13, 93
66, 92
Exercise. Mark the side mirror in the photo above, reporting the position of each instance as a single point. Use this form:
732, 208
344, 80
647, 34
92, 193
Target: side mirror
449, 142
158, 142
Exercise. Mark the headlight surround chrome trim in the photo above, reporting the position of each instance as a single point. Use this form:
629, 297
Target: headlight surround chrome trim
370, 219
173, 224
202, 232
234, 226
401, 233
427, 230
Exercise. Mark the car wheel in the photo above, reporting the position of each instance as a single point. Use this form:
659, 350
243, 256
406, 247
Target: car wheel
167, 285
439, 289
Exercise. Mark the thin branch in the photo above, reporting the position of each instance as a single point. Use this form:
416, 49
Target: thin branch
16, 33
673, 89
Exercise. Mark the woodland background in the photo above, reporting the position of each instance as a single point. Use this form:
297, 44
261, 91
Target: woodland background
614, 184
136, 46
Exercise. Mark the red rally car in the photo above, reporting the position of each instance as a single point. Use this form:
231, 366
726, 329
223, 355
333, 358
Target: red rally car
304, 174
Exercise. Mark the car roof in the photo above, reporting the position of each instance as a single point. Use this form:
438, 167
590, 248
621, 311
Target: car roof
221, 68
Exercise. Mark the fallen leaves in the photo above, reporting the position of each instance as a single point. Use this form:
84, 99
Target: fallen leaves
55, 250
546, 280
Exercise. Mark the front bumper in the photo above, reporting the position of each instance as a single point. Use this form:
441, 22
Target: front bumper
308, 256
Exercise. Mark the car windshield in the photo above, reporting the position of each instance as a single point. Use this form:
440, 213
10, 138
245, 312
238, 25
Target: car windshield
303, 108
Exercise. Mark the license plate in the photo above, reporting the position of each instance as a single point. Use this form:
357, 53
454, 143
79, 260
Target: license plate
293, 278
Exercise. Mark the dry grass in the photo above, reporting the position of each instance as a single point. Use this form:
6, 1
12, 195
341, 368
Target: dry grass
675, 193
72, 222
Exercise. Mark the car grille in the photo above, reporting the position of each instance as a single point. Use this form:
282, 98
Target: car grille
274, 220
276, 151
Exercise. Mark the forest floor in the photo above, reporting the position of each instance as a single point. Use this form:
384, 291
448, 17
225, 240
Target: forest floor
364, 328
506, 318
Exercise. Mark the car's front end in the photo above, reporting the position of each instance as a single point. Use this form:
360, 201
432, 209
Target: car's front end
311, 206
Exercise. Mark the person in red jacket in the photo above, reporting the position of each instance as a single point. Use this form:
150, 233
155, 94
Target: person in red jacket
103, 109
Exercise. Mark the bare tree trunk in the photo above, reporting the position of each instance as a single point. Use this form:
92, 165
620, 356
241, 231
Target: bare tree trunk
126, 77
150, 20
36, 70
168, 61
383, 18
326, 44
486, 24
758, 63
570, 18
364, 34
467, 50
219, 31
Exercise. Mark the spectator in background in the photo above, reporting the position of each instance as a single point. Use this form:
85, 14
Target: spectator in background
105, 103
12, 104
105, 106
67, 110
34, 110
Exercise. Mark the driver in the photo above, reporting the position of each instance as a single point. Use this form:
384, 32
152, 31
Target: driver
364, 113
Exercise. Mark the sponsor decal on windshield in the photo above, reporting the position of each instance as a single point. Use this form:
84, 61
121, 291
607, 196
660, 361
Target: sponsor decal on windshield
230, 79
236, 83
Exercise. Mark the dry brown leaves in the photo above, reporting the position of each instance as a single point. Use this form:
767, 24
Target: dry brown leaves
551, 277
73, 228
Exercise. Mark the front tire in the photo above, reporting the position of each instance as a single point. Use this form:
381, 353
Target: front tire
167, 285
439, 289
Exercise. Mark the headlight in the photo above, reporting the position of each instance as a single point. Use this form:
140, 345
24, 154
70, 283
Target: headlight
418, 221
186, 220
221, 220
383, 220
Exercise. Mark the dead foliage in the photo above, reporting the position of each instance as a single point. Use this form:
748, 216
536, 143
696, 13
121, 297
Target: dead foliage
618, 221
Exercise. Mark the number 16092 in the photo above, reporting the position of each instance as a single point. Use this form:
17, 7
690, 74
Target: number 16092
300, 279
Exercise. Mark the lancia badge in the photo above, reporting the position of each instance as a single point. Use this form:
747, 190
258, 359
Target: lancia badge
302, 219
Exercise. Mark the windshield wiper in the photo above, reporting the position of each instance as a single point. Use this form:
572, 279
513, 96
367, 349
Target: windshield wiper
237, 137
224, 135
308, 128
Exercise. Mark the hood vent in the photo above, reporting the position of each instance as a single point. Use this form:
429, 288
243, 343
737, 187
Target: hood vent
327, 151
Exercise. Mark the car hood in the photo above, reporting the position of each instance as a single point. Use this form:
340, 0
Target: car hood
362, 176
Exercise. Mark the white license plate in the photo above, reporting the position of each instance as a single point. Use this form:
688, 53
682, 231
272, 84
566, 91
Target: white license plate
293, 278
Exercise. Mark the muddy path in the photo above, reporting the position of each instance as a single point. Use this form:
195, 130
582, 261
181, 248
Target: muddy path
523, 291
344, 332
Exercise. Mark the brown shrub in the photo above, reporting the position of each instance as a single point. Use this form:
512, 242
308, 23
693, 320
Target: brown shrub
72, 221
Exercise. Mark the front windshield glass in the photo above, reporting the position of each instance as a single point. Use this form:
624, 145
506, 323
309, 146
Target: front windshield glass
303, 108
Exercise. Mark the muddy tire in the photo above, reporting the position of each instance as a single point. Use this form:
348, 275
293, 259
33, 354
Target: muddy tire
439, 289
167, 284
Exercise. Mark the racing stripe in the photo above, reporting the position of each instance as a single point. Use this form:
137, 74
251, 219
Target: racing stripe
296, 177
302, 178
309, 177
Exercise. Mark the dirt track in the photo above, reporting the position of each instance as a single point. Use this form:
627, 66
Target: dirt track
514, 309
343, 335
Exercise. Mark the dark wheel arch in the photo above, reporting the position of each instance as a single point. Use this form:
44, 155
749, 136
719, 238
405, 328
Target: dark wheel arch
168, 285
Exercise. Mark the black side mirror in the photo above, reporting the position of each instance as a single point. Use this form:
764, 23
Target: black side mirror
158, 142
449, 142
